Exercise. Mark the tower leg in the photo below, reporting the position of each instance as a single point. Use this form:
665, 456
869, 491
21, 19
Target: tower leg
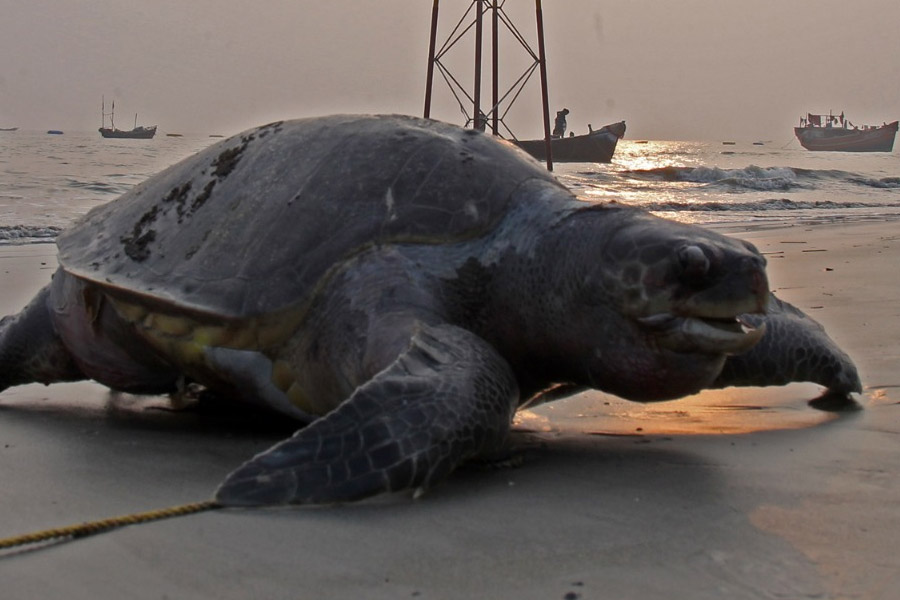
431, 46
542, 57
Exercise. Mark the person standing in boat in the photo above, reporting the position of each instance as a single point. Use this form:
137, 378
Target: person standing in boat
559, 126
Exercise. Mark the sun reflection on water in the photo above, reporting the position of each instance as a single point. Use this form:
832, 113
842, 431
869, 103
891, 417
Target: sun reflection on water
710, 183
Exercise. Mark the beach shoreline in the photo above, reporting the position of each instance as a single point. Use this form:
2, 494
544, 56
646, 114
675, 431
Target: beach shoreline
738, 494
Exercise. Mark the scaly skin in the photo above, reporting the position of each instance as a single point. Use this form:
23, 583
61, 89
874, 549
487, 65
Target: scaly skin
794, 348
30, 349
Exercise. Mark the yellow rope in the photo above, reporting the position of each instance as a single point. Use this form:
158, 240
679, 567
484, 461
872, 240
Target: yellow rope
101, 525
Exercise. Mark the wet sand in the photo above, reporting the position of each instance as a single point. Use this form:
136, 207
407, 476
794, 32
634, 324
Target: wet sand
729, 494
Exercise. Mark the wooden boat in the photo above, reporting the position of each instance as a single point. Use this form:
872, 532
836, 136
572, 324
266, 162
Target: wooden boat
138, 133
9, 128
837, 134
595, 146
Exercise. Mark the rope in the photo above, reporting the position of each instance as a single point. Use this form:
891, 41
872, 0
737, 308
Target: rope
101, 525
790, 141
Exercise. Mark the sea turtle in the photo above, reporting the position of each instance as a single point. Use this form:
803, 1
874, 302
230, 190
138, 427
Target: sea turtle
403, 286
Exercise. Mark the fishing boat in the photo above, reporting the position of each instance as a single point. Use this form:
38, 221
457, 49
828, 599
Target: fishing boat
595, 146
138, 133
838, 134
9, 128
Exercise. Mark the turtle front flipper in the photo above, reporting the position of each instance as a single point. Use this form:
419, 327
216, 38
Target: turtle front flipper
449, 397
795, 347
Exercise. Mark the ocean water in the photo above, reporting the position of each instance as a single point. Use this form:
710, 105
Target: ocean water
48, 181
765, 182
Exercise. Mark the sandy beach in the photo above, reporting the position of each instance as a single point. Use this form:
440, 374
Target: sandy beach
729, 494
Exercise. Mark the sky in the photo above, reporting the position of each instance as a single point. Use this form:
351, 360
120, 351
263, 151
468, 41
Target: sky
673, 70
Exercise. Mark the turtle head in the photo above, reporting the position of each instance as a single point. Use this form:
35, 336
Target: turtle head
661, 302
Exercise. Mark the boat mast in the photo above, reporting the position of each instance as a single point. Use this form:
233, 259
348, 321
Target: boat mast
104, 114
479, 117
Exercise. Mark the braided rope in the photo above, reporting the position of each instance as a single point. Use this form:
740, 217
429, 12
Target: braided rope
101, 525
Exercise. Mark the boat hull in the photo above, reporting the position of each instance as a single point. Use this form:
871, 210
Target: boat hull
840, 139
138, 133
596, 146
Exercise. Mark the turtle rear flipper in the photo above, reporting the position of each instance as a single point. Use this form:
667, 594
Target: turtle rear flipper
449, 397
795, 347
31, 350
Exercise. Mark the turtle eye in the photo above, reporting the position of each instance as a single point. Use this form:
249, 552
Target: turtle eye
693, 261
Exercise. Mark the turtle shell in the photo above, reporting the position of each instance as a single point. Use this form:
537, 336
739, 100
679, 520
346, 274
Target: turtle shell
249, 226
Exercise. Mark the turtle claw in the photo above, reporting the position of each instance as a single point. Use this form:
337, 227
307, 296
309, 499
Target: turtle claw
836, 402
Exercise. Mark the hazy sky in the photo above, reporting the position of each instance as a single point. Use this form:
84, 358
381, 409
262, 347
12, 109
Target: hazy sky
685, 69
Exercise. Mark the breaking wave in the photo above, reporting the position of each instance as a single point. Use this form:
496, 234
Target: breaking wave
883, 183
24, 234
759, 178
101, 187
749, 178
764, 205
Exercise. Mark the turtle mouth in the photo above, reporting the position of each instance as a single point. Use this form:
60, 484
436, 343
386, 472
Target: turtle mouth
707, 335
